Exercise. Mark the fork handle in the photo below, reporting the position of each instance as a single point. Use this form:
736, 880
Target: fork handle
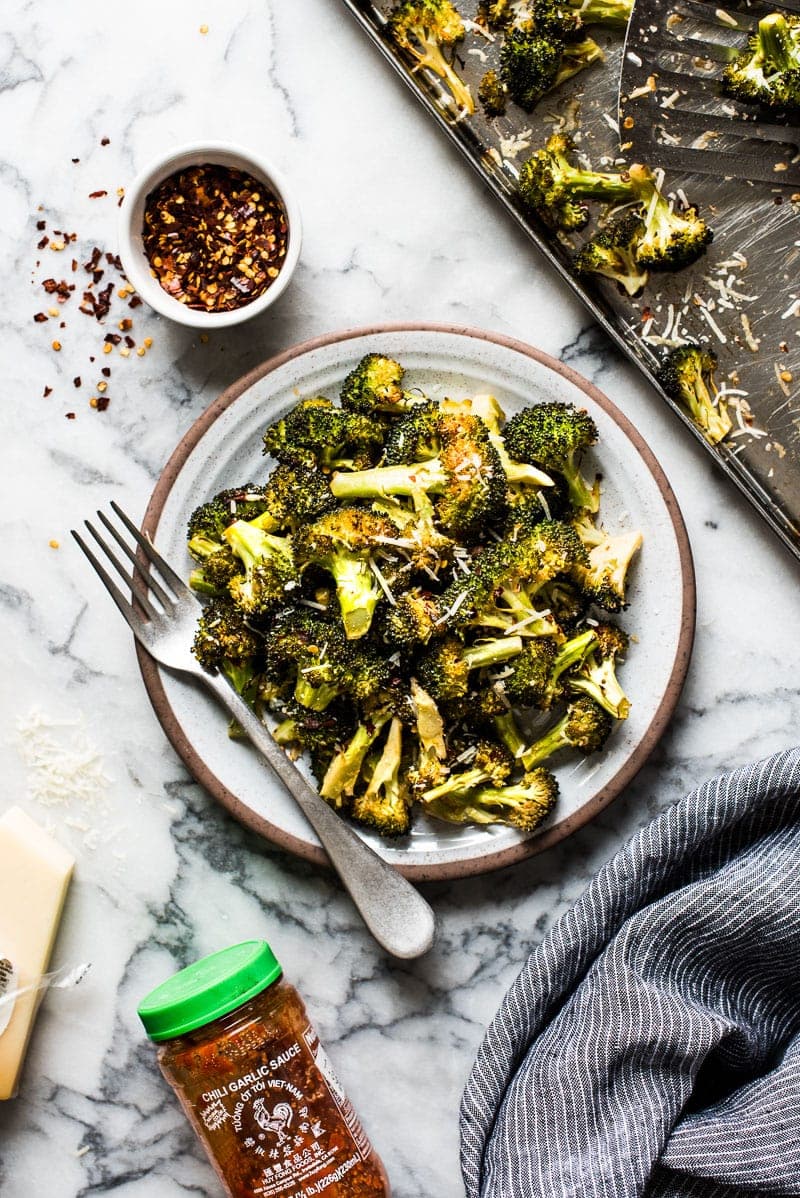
398, 916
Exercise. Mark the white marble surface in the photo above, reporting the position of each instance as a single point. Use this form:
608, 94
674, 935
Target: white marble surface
396, 228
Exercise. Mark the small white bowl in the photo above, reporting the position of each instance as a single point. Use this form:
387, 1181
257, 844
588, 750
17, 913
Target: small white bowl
131, 226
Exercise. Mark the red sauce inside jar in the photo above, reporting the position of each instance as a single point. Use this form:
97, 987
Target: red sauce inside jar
237, 1047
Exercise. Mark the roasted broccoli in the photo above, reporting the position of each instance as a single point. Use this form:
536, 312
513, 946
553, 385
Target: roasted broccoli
320, 733
603, 579
293, 495
687, 376
269, 569
493, 94
208, 522
385, 803
424, 29
596, 675
768, 71
555, 435
524, 804
375, 385
445, 669
427, 768
225, 644
534, 63
344, 543
612, 253
490, 765
535, 675
415, 617
466, 474
322, 662
497, 14
217, 568
670, 238
315, 433
585, 726
557, 191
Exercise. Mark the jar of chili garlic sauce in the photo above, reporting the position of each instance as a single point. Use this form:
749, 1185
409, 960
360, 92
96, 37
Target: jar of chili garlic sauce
237, 1047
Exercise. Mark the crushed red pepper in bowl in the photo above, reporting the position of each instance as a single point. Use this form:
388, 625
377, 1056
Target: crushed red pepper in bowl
214, 236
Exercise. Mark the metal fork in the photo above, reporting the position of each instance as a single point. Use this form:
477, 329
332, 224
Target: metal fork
672, 111
163, 619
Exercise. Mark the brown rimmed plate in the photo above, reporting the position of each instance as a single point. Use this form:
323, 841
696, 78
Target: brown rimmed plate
223, 448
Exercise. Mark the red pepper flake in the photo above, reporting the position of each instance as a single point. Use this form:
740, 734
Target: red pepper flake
105, 141
129, 341
74, 264
135, 302
76, 159
40, 317
70, 415
112, 338
47, 391
42, 245
215, 237
102, 403
97, 195
41, 224
76, 382
105, 371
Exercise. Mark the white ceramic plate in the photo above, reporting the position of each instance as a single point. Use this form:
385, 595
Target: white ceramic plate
223, 448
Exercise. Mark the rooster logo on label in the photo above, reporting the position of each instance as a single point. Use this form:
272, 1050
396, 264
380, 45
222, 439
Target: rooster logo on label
275, 1121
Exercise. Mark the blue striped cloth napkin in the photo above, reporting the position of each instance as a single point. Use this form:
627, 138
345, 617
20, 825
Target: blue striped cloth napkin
651, 1043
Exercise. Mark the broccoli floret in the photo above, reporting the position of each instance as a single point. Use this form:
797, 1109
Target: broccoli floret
491, 766
536, 674
524, 804
533, 63
414, 619
375, 385
225, 644
497, 14
566, 601
294, 495
768, 71
319, 733
493, 94
216, 571
603, 579
556, 190
466, 474
316, 433
322, 662
343, 543
424, 28
687, 376
208, 522
584, 726
521, 477
417, 538
344, 769
385, 804
269, 569
445, 669
554, 435
597, 676
670, 239
612, 253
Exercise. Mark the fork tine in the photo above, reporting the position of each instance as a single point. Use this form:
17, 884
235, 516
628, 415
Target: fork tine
119, 567
116, 594
166, 600
176, 583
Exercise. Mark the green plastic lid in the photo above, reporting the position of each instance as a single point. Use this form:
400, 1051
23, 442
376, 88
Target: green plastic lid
208, 989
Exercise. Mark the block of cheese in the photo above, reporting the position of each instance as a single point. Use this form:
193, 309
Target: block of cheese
34, 875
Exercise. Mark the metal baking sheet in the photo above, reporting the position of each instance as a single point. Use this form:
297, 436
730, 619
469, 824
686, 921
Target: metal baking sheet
752, 264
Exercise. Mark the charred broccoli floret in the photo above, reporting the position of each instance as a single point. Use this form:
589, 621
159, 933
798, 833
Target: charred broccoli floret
322, 662
269, 569
493, 94
612, 253
597, 675
344, 768
497, 14
768, 71
585, 726
554, 436
375, 385
315, 433
491, 766
343, 543
424, 29
567, 17
536, 674
208, 522
293, 495
385, 804
445, 669
687, 376
320, 733
524, 804
225, 644
466, 474
418, 539
557, 191
415, 618
670, 239
533, 63
217, 569
604, 578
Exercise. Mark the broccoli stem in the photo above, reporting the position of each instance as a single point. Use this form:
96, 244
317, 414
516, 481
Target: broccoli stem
199, 583
357, 591
343, 772
315, 698
776, 42
550, 743
507, 730
573, 652
612, 13
390, 480
434, 60
490, 653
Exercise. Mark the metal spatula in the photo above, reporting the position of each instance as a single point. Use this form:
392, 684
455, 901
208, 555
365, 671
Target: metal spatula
673, 112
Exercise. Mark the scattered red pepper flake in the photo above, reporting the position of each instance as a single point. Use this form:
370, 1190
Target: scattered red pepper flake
40, 317
47, 391
76, 382
70, 415
102, 403
41, 245
105, 141
105, 371
76, 159
41, 224
135, 302
97, 195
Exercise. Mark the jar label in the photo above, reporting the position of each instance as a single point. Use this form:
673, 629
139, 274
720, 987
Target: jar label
291, 1118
